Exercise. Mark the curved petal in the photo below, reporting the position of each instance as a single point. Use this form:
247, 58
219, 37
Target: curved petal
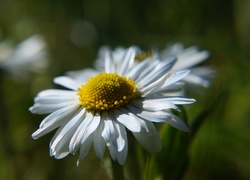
175, 77
147, 70
138, 69
65, 133
85, 147
149, 140
118, 140
157, 104
82, 76
99, 143
119, 153
92, 126
196, 79
54, 120
154, 116
160, 70
86, 128
153, 87
129, 121
61, 152
75, 141
108, 131
127, 61
56, 93
49, 108
177, 123
67, 82
190, 57
56, 99
180, 100
109, 62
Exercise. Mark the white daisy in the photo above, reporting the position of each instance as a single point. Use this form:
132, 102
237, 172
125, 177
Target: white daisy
29, 55
189, 58
100, 110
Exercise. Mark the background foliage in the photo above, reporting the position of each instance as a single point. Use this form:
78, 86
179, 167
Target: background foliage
74, 30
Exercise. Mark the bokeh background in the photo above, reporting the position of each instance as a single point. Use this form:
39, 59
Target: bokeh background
74, 30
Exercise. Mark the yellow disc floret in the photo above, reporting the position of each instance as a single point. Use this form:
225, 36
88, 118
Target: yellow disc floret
106, 91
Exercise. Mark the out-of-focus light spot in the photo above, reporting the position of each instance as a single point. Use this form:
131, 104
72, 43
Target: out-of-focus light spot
83, 34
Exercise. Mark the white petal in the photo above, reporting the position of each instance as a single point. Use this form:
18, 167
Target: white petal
56, 99
173, 88
180, 100
160, 70
62, 152
49, 108
62, 148
51, 100
153, 87
189, 58
197, 80
113, 152
65, 133
84, 149
149, 140
92, 127
177, 76
154, 104
86, 128
139, 120
67, 82
126, 62
57, 93
129, 121
108, 131
118, 141
54, 120
99, 143
75, 141
82, 76
120, 154
109, 62
204, 71
147, 70
154, 116
177, 123
138, 69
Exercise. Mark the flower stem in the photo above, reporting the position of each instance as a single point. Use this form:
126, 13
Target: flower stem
147, 171
117, 171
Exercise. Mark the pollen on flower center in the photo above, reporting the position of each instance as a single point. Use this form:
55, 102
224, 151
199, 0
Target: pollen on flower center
106, 91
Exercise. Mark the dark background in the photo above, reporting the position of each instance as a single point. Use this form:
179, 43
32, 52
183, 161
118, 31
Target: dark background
74, 30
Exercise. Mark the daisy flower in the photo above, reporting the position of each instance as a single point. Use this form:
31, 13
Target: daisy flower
102, 108
189, 58
29, 55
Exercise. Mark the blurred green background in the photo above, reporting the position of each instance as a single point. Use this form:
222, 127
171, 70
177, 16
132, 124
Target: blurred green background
74, 30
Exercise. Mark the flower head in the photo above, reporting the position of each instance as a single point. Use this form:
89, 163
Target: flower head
124, 96
29, 55
189, 58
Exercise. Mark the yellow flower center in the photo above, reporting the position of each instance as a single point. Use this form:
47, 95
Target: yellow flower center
106, 91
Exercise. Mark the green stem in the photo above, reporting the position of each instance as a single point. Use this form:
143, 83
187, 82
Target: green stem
147, 168
117, 171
